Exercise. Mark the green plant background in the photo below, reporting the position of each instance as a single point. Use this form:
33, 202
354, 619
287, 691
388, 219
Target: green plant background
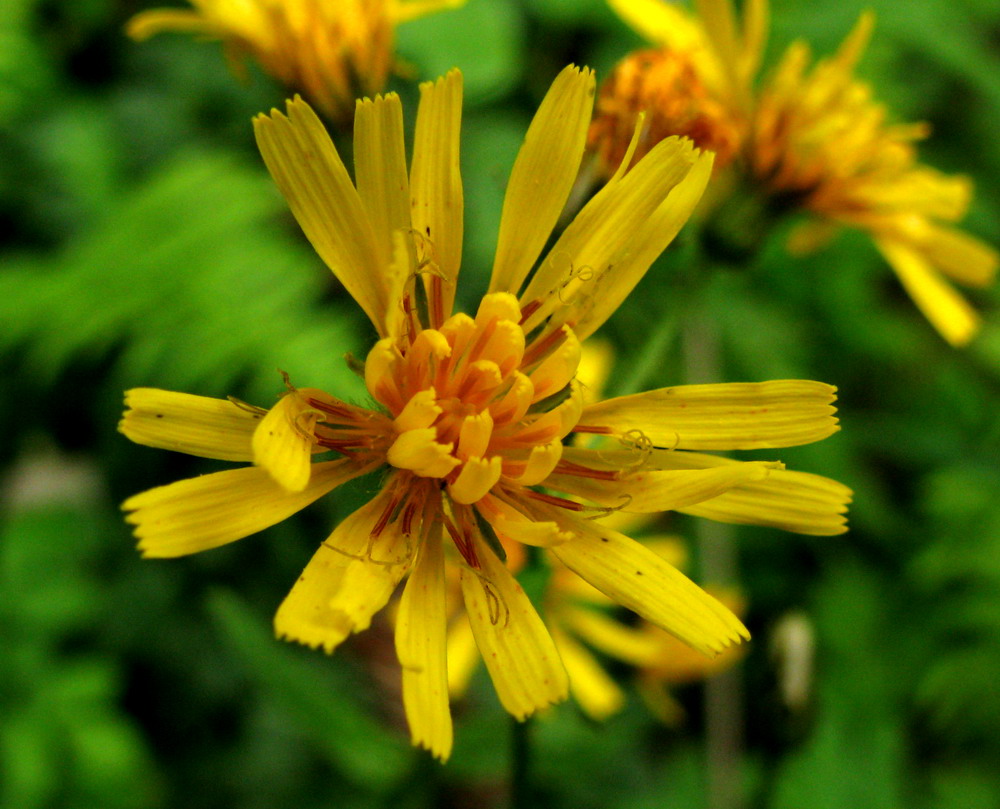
144, 244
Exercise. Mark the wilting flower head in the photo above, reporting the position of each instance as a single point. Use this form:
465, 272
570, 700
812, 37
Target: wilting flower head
332, 51
808, 139
822, 142
469, 412
695, 83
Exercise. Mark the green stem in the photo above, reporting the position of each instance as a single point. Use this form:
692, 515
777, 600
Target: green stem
720, 566
521, 796
650, 359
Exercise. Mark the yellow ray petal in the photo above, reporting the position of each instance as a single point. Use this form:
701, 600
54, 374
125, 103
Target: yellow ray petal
557, 370
197, 425
747, 415
367, 584
421, 649
661, 22
308, 171
380, 170
629, 644
965, 258
463, 657
283, 442
513, 525
147, 23
659, 701
648, 492
719, 20
400, 270
756, 23
635, 577
204, 512
310, 613
593, 689
947, 311
515, 645
793, 501
611, 243
436, 187
543, 175
406, 10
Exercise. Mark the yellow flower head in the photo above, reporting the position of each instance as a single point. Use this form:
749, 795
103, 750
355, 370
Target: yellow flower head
469, 412
696, 83
329, 51
665, 85
821, 141
811, 139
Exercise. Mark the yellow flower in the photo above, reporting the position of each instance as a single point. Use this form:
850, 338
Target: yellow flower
470, 412
696, 83
329, 51
814, 139
821, 140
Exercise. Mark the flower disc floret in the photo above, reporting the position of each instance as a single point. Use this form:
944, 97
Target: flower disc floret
472, 402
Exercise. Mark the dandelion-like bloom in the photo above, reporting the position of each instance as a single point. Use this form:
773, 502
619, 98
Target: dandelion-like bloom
469, 413
822, 142
332, 52
696, 83
810, 139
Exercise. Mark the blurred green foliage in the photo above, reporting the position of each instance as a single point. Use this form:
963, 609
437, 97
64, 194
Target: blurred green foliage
145, 245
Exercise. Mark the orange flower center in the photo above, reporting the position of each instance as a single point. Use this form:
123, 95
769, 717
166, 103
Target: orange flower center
475, 402
666, 86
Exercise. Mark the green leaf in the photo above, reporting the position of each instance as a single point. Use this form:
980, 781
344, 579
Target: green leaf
318, 694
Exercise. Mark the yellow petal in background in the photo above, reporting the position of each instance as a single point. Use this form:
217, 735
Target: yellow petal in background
421, 646
436, 187
633, 645
311, 176
635, 577
204, 512
947, 311
594, 690
964, 258
516, 647
751, 415
196, 425
406, 10
662, 22
146, 24
542, 177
